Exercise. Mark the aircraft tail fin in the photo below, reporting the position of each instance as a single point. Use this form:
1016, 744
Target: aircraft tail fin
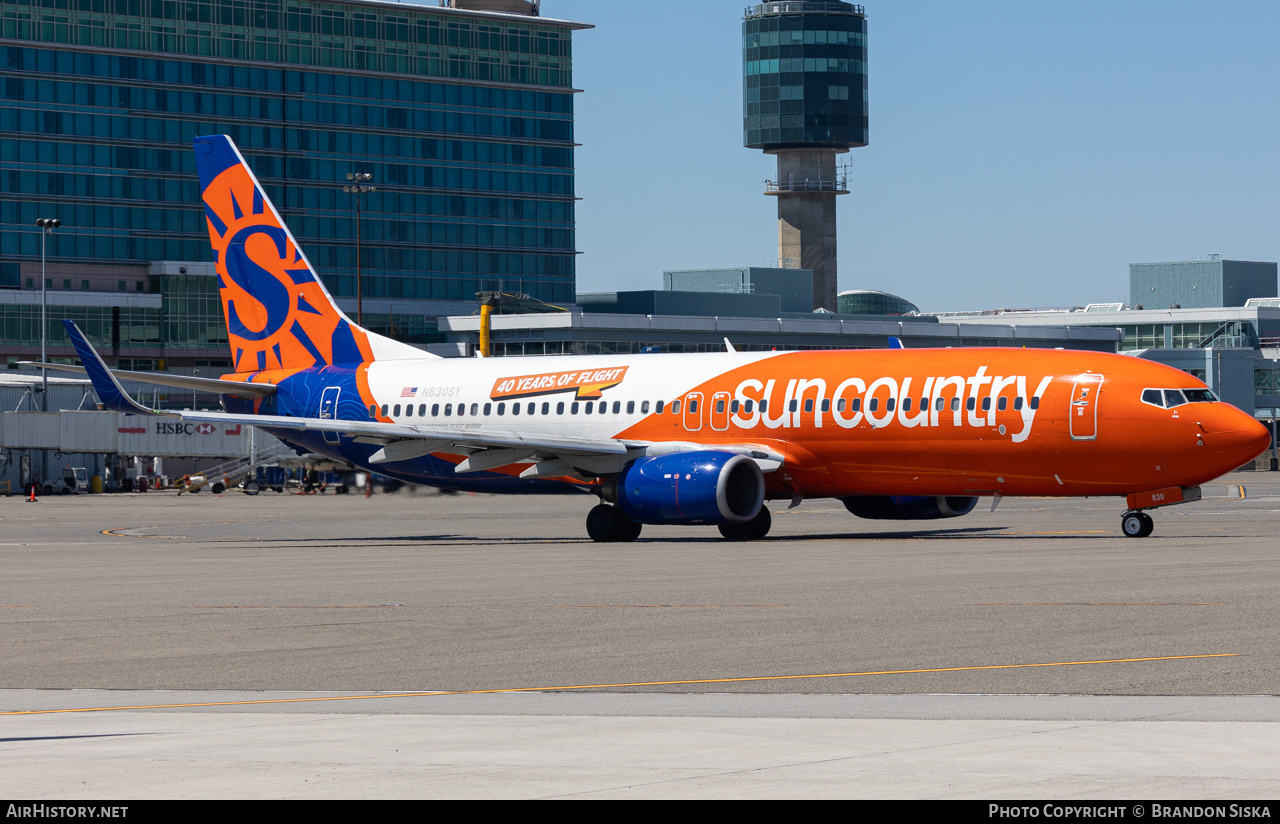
279, 315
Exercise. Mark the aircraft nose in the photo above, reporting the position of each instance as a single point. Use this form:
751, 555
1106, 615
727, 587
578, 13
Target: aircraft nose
1237, 437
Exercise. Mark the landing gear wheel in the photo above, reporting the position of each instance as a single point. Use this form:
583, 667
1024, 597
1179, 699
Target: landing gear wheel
1136, 524
606, 525
752, 530
630, 530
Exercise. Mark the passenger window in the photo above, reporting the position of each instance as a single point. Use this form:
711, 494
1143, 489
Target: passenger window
1017, 403
955, 403
826, 404
546, 408
720, 406
939, 403
448, 409
857, 404
747, 406
892, 404
873, 405
475, 409
502, 409
384, 410
515, 409
488, 409
532, 408
462, 410
435, 410
986, 404
906, 404
395, 413
591, 407
631, 407
408, 411
764, 406
793, 406
560, 408
1035, 402
808, 405
604, 407
693, 407
658, 409
1003, 403
422, 410
644, 407
373, 410
573, 408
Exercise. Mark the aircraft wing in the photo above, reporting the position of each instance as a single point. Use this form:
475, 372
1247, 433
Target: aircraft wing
550, 456
238, 388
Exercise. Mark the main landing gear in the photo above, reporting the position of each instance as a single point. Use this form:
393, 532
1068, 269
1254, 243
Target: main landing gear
752, 530
606, 525
1136, 524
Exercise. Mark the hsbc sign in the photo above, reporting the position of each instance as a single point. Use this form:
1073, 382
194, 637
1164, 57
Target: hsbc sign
116, 432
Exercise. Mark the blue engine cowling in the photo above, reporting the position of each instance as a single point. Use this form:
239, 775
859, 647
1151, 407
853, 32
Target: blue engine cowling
691, 488
908, 508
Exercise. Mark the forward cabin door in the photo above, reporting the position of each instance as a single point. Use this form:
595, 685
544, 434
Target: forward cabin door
1084, 407
329, 410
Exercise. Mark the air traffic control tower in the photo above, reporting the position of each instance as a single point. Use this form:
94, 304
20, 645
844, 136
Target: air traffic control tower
804, 99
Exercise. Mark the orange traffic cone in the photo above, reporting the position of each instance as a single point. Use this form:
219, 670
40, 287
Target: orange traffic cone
32, 499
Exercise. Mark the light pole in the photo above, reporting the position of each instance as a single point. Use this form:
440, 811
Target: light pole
47, 225
359, 185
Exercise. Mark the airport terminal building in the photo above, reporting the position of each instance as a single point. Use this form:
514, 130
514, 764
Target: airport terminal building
463, 118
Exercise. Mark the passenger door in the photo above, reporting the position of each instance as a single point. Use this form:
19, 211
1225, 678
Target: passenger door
329, 410
1083, 413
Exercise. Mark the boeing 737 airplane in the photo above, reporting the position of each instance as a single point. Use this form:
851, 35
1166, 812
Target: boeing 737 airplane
689, 439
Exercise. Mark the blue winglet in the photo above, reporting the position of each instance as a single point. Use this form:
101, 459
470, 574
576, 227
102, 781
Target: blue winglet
895, 343
108, 389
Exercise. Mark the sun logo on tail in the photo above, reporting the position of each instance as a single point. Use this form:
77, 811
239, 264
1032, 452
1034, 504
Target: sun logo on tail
278, 314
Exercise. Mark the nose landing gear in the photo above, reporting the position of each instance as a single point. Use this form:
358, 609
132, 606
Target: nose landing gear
1136, 524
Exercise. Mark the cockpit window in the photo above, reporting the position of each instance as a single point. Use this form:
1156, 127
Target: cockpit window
1171, 398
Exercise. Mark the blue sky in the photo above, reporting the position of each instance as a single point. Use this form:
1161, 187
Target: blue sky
1022, 154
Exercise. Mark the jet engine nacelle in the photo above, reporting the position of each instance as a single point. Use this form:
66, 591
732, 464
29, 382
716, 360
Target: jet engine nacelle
691, 488
908, 508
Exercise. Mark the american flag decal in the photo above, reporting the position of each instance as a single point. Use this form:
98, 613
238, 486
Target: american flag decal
408, 391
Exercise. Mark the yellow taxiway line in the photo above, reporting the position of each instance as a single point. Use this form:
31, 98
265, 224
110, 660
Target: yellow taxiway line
618, 686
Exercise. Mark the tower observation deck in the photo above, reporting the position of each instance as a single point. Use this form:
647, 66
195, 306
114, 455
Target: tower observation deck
804, 99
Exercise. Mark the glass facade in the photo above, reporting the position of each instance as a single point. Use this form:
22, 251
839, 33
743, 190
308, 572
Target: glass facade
804, 66
868, 302
1214, 335
464, 120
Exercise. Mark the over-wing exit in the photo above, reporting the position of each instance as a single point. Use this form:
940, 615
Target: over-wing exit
696, 438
